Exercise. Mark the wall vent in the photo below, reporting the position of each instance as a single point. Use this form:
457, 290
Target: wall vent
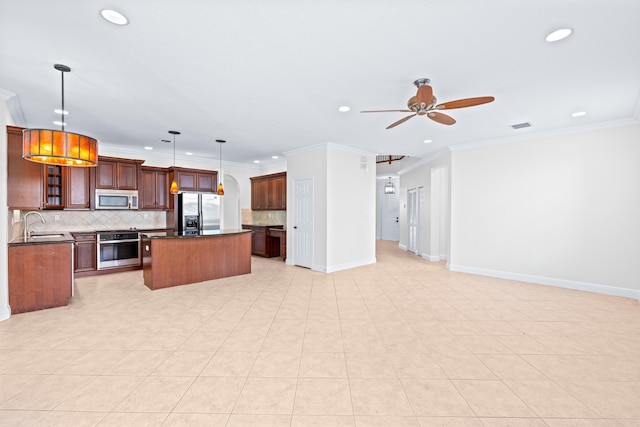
521, 125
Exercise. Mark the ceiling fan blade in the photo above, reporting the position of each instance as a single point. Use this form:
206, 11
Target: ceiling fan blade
462, 103
441, 118
386, 111
424, 95
392, 125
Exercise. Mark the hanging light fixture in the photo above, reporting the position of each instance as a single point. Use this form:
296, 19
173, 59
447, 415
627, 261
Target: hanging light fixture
389, 188
220, 188
174, 185
57, 147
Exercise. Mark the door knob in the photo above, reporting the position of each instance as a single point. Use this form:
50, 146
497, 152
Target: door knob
295, 226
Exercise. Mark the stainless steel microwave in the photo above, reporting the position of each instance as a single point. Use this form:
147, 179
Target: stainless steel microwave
116, 199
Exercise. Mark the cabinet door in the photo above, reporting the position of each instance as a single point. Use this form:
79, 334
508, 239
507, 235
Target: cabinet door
187, 181
53, 187
162, 191
24, 178
259, 242
76, 188
127, 176
277, 197
206, 182
106, 175
259, 194
148, 190
85, 252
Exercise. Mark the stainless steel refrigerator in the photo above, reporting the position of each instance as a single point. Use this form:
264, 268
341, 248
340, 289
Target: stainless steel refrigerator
198, 212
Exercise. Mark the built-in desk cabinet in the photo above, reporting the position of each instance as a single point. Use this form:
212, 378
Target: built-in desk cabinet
262, 243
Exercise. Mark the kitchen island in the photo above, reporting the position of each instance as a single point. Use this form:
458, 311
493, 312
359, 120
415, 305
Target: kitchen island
40, 271
173, 259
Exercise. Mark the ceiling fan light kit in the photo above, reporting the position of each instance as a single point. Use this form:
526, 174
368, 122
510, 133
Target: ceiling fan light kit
424, 103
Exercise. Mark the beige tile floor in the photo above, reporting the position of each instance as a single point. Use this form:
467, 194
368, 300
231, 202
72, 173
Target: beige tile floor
403, 342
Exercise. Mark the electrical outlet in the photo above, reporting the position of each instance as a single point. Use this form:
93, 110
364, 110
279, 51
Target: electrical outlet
146, 216
56, 217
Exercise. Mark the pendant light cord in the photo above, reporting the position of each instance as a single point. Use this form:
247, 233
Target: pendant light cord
62, 112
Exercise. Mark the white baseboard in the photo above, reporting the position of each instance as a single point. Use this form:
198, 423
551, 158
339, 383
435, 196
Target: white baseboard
348, 265
403, 247
5, 313
550, 281
432, 258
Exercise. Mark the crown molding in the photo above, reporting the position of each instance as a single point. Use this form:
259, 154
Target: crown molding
325, 145
424, 161
14, 106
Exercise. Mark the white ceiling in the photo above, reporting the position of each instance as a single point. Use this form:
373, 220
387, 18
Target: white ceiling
269, 76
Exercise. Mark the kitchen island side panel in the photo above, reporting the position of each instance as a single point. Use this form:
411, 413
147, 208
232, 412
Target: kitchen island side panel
181, 260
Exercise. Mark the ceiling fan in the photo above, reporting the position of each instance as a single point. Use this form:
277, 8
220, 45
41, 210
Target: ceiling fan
425, 104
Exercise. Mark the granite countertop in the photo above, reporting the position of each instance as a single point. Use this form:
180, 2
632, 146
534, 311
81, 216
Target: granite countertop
43, 238
186, 235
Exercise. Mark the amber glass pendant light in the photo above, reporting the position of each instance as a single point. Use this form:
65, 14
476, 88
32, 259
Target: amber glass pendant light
220, 188
174, 185
57, 147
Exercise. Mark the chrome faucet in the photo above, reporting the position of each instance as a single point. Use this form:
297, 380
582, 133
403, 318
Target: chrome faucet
27, 234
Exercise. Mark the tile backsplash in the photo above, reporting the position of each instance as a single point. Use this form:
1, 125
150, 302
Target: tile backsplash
57, 220
264, 217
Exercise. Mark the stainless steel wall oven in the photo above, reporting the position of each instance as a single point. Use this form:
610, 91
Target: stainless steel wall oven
118, 249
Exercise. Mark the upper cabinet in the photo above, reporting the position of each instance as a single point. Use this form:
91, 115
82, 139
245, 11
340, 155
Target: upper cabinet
154, 191
194, 179
269, 192
117, 174
24, 178
33, 185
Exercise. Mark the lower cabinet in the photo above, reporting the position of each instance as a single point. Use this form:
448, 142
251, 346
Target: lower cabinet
263, 244
39, 276
85, 252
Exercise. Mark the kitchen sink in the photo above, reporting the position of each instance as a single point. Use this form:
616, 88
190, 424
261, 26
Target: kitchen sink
51, 236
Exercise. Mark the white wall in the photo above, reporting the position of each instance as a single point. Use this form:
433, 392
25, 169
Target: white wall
351, 209
302, 164
343, 204
560, 210
5, 119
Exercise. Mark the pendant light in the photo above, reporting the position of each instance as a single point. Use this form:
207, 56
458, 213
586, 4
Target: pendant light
57, 147
174, 184
389, 188
220, 188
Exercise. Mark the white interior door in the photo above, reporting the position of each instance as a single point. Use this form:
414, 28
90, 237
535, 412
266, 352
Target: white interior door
390, 211
412, 220
302, 231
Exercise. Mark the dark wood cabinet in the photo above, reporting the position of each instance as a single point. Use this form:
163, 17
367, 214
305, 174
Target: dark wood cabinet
53, 187
76, 188
262, 243
269, 192
85, 252
117, 174
24, 178
39, 276
154, 192
194, 179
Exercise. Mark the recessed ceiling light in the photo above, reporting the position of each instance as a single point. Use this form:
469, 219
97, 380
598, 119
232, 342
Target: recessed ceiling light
274, 157
579, 114
59, 123
560, 34
59, 111
344, 109
189, 153
148, 148
256, 161
114, 17
427, 141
